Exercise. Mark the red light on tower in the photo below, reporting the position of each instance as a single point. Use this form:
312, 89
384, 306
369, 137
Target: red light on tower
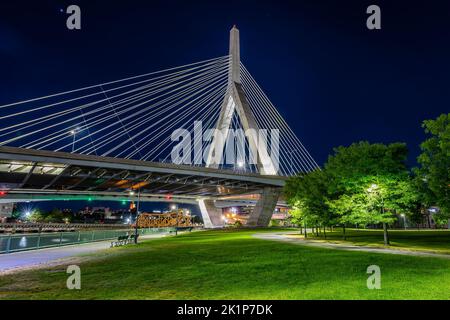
168, 197
2, 193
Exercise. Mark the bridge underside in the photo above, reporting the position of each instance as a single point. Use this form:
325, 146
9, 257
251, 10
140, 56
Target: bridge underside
36, 175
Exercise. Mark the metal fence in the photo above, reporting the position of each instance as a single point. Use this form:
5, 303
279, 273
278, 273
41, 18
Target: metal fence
55, 227
21, 242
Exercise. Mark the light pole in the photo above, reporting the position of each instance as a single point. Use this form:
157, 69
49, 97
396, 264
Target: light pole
373, 189
404, 221
174, 208
73, 132
137, 215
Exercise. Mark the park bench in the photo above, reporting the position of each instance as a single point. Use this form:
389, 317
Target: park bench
176, 229
123, 240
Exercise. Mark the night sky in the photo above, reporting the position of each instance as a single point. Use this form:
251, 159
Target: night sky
334, 81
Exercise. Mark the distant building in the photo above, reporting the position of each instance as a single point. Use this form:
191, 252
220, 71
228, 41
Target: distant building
6, 210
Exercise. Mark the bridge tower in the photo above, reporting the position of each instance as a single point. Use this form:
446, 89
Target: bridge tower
235, 100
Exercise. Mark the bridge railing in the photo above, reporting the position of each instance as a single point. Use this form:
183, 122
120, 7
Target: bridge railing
43, 227
21, 242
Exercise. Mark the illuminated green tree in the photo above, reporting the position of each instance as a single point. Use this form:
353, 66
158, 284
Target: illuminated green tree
434, 173
364, 184
36, 216
308, 195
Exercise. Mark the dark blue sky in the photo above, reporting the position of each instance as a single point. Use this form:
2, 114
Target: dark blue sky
334, 80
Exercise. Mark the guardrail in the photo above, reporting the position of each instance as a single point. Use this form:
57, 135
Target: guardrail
21, 242
42, 227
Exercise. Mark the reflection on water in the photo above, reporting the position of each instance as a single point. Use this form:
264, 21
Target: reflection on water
23, 242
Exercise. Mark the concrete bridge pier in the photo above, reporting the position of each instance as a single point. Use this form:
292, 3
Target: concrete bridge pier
212, 216
262, 213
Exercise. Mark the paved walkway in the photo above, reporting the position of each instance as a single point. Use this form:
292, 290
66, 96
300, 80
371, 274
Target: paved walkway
284, 236
53, 256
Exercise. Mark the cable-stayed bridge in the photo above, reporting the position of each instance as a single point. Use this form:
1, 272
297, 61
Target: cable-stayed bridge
199, 133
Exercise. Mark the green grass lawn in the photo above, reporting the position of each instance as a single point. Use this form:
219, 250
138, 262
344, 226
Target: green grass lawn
437, 241
234, 265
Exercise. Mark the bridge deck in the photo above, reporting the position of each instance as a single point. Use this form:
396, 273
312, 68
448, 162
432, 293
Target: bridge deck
40, 172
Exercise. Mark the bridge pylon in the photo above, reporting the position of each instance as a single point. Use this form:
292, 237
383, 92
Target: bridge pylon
236, 101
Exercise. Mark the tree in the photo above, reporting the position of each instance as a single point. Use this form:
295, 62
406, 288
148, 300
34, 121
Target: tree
434, 172
349, 209
307, 194
36, 216
56, 215
364, 183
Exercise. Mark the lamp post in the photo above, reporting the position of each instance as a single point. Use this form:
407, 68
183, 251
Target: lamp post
174, 208
404, 220
73, 132
137, 215
373, 189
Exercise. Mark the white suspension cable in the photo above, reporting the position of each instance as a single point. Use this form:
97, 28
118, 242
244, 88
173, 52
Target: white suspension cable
111, 82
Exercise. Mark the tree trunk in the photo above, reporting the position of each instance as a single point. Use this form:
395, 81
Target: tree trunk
317, 231
301, 229
306, 231
344, 235
386, 235
325, 232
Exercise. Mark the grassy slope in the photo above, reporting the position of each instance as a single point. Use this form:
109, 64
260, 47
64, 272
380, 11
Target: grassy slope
424, 240
233, 265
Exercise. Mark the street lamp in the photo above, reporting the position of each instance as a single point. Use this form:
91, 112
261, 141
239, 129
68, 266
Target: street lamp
73, 133
373, 188
137, 215
404, 220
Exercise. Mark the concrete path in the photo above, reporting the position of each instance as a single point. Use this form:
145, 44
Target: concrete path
284, 236
12, 262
